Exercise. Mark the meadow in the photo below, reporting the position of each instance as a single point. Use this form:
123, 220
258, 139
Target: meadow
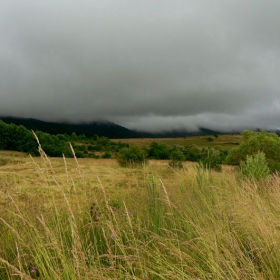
91, 219
224, 142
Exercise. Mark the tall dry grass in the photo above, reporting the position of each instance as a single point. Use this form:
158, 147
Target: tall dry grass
90, 219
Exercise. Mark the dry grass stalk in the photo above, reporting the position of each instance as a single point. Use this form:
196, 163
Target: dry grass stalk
16, 270
110, 254
74, 154
18, 258
13, 230
42, 153
51, 236
166, 194
66, 170
77, 249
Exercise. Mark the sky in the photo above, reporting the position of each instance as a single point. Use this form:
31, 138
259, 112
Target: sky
149, 65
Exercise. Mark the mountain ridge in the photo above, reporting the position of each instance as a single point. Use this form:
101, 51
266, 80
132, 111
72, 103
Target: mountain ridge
102, 128
89, 129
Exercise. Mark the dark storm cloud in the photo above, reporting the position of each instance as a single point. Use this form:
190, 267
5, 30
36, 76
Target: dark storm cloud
150, 65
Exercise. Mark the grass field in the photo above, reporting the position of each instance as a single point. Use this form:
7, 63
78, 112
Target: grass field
225, 142
90, 219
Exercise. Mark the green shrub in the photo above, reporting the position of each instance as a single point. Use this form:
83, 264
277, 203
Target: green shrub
192, 153
158, 151
251, 143
210, 159
132, 156
255, 166
106, 155
177, 158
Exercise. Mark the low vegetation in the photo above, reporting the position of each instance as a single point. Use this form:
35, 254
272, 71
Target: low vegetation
91, 219
254, 142
88, 218
255, 166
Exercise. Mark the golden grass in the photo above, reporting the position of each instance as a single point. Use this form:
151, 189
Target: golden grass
27, 179
225, 142
91, 219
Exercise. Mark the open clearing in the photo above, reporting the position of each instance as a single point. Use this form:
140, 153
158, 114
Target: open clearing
225, 142
91, 219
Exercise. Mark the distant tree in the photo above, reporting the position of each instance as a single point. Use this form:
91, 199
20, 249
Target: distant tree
73, 136
210, 139
158, 151
192, 153
17, 138
82, 137
62, 137
132, 156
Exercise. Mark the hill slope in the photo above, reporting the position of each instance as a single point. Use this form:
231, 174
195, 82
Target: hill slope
107, 129
103, 128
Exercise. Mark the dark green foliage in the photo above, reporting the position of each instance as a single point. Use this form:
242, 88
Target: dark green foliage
17, 138
132, 156
223, 155
192, 153
106, 155
210, 139
62, 137
107, 129
73, 136
158, 151
177, 157
53, 146
253, 142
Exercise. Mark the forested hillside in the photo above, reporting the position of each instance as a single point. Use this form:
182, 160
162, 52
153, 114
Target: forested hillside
102, 128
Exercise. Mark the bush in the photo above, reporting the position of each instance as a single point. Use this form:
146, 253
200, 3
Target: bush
177, 158
107, 155
158, 151
210, 159
253, 142
133, 156
192, 153
255, 166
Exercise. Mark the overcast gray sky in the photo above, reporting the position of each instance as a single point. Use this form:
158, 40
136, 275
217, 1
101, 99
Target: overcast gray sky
145, 64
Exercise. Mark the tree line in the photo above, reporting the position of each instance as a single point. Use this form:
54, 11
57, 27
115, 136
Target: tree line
18, 138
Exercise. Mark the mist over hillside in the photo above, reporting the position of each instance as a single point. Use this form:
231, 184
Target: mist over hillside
102, 128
